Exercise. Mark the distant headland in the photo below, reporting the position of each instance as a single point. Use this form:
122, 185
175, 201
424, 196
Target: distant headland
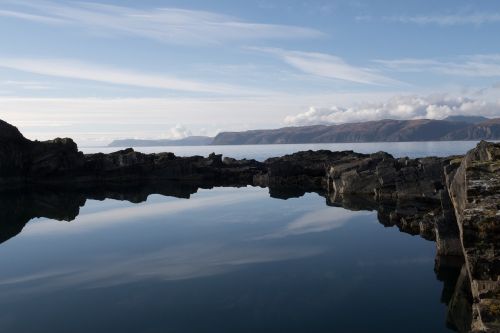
453, 128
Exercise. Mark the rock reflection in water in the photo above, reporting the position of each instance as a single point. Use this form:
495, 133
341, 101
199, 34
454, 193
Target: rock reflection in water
58, 203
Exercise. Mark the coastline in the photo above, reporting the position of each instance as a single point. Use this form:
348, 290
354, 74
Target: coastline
452, 200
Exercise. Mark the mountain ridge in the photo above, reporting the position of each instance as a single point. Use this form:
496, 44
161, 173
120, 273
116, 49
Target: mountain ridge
387, 130
453, 128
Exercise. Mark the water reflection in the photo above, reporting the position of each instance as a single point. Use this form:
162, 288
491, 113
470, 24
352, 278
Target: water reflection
228, 260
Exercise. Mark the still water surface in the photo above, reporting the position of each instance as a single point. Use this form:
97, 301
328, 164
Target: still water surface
261, 152
225, 260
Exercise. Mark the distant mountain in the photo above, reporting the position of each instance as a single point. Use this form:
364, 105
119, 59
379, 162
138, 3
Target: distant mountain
467, 119
371, 131
453, 128
486, 130
189, 141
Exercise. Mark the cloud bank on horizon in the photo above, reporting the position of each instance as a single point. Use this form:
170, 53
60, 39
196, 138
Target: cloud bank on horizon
399, 107
169, 69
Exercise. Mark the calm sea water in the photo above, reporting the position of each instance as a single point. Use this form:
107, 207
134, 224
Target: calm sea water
261, 152
225, 260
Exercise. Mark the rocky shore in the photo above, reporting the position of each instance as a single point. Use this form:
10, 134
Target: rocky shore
454, 201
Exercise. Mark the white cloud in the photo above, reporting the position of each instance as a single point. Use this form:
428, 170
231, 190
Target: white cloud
328, 66
98, 121
177, 132
473, 65
164, 24
86, 71
449, 20
401, 107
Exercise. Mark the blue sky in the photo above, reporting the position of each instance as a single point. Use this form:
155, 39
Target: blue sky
97, 71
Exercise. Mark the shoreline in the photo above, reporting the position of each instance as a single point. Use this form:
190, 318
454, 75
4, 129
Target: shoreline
452, 200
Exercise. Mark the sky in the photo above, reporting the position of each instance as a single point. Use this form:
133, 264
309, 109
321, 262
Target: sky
98, 71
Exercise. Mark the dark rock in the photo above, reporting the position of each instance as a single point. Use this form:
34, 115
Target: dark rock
475, 192
21, 158
26, 162
460, 313
453, 200
384, 176
10, 134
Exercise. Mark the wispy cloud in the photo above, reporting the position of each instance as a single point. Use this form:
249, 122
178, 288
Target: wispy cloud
86, 71
122, 215
99, 120
31, 17
473, 65
168, 263
164, 24
26, 85
328, 66
317, 221
449, 20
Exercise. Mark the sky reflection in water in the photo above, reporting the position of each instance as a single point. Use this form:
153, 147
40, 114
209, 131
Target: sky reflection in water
226, 260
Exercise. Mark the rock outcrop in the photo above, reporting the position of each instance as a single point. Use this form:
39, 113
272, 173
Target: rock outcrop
454, 200
475, 191
57, 161
22, 159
